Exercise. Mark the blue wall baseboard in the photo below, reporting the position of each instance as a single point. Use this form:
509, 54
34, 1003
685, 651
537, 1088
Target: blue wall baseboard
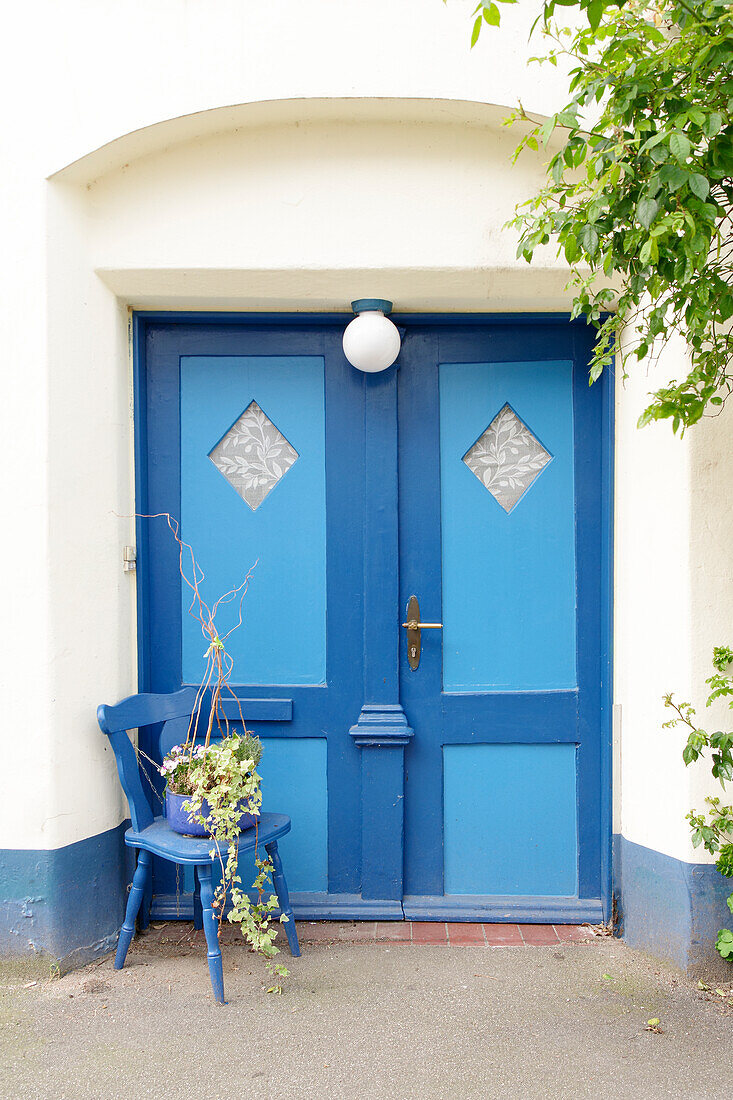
670, 908
66, 903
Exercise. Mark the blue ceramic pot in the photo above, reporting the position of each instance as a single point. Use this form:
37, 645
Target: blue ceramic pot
181, 822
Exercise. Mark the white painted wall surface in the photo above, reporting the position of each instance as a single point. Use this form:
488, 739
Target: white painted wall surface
673, 603
272, 156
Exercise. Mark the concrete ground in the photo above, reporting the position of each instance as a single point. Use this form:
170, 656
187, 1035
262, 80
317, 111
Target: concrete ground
366, 1019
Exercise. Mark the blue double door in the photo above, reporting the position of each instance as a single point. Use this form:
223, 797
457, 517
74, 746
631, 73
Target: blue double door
471, 783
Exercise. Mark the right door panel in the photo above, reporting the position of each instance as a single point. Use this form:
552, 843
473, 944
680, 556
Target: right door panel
501, 506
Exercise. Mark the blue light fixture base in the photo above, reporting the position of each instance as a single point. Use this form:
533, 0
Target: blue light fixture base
364, 305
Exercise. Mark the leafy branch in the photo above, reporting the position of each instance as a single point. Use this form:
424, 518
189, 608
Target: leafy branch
638, 195
714, 828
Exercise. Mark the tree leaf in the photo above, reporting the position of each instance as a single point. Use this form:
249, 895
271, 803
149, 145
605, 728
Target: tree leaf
646, 211
589, 239
594, 11
699, 185
679, 146
658, 156
492, 15
713, 124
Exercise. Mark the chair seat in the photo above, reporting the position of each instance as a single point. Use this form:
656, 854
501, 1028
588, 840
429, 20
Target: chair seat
161, 840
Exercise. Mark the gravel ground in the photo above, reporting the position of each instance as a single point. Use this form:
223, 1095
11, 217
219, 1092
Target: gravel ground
393, 1021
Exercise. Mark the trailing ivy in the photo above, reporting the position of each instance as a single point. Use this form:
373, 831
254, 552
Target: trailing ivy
639, 196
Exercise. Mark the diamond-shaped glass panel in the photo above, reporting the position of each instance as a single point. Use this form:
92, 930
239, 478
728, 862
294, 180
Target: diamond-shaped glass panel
507, 458
253, 455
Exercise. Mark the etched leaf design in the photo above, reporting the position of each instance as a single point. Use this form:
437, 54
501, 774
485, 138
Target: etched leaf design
507, 458
253, 455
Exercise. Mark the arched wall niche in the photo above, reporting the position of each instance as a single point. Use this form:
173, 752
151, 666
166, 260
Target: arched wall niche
304, 204
166, 133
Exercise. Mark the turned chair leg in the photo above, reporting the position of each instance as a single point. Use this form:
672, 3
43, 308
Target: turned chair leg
198, 920
133, 904
211, 931
143, 917
281, 889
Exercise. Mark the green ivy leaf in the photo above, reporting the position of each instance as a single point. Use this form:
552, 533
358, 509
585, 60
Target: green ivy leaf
724, 943
725, 860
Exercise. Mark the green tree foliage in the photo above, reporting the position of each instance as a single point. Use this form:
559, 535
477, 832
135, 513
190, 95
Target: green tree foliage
639, 194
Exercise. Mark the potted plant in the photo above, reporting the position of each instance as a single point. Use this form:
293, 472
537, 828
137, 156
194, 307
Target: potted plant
212, 785
224, 772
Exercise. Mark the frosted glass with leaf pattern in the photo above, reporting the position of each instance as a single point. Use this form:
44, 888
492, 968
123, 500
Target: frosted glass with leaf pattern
253, 455
507, 458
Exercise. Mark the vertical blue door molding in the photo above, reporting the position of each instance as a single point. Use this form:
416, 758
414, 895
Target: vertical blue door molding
382, 730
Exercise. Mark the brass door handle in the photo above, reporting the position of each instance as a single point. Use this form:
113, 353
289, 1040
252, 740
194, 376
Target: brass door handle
413, 627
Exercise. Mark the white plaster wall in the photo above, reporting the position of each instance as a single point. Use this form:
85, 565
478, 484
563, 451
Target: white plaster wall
673, 603
104, 69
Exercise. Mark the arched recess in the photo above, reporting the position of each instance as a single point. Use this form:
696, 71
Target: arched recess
307, 203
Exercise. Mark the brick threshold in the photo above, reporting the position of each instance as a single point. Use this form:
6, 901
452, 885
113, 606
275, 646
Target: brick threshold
413, 933
443, 934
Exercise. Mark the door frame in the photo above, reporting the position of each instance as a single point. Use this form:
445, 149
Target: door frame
140, 320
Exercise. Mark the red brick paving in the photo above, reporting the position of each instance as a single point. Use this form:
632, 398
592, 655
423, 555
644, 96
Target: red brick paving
538, 935
503, 935
363, 931
399, 931
437, 933
465, 934
429, 932
573, 933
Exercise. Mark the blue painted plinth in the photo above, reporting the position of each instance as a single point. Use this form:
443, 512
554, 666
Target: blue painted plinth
671, 908
67, 903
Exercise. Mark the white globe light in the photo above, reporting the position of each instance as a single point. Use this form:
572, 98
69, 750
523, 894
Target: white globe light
371, 341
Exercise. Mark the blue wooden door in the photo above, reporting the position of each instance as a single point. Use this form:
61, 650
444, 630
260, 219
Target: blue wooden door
254, 437
502, 512
471, 475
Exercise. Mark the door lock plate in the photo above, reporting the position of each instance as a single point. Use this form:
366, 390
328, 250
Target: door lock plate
413, 633
413, 627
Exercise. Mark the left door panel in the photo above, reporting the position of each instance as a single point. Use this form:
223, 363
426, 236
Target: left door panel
252, 436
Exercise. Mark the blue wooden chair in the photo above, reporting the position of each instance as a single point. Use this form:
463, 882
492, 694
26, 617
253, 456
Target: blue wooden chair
151, 835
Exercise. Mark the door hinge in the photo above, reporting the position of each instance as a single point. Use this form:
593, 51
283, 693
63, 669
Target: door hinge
129, 559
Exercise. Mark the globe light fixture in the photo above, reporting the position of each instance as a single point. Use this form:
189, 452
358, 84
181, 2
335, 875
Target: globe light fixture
371, 341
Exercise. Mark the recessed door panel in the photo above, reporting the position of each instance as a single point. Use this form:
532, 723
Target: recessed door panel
253, 494
510, 819
507, 517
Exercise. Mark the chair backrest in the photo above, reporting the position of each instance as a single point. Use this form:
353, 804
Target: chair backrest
135, 711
